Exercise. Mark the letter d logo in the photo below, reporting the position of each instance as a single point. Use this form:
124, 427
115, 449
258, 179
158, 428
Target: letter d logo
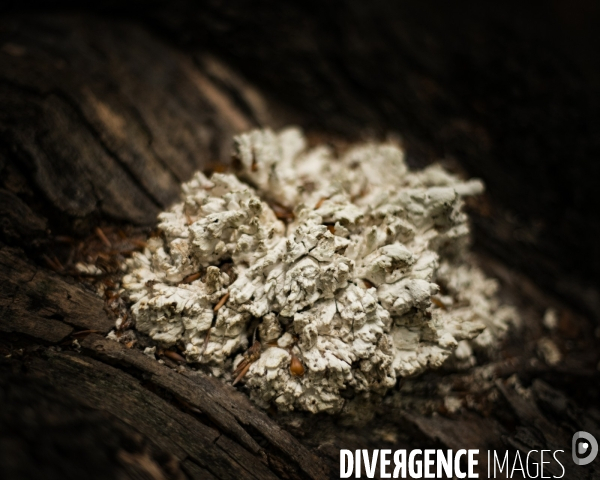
588, 444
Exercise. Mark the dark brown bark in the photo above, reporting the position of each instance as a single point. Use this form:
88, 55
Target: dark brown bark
101, 120
105, 121
187, 416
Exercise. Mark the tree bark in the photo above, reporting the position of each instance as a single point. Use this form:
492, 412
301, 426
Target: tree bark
100, 122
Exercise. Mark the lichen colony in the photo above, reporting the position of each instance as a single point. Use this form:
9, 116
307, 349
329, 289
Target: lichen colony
355, 268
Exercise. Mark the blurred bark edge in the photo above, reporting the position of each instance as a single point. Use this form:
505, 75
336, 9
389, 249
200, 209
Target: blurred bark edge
106, 109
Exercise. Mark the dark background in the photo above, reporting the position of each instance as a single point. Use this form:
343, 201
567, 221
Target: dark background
511, 90
106, 107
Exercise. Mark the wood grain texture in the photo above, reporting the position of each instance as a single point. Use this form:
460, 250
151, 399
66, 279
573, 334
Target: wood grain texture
102, 118
224, 406
35, 298
43, 306
109, 390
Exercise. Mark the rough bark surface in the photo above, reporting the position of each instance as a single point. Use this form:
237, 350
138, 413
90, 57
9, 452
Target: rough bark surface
100, 120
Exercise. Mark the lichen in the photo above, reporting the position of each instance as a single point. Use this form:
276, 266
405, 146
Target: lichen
355, 268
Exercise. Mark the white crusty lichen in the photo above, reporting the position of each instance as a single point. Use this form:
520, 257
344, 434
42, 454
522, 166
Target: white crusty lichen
350, 272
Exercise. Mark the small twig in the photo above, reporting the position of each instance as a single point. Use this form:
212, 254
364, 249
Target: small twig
174, 356
64, 239
242, 373
437, 302
103, 237
221, 302
53, 263
190, 278
320, 203
82, 333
